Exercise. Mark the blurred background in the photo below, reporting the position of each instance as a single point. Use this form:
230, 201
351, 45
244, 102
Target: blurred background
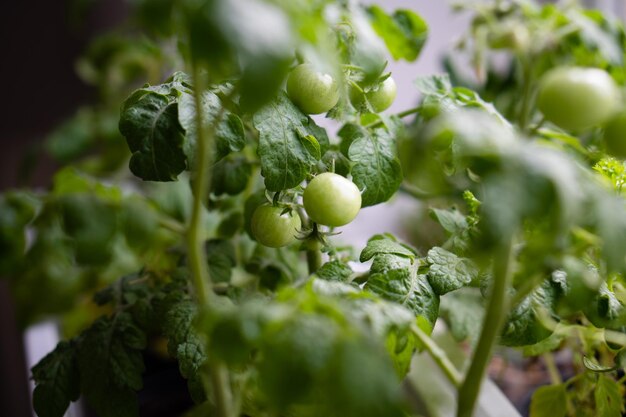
41, 45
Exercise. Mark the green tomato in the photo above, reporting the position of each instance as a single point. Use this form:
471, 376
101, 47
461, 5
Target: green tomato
332, 200
509, 35
380, 98
312, 91
615, 136
271, 227
576, 98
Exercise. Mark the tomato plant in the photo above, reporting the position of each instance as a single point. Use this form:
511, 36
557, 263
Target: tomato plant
515, 239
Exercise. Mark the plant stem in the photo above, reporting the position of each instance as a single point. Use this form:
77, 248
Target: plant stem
195, 236
198, 265
524, 111
494, 318
313, 251
553, 370
439, 356
404, 113
221, 389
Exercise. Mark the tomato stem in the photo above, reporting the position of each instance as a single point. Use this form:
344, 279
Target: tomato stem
401, 114
313, 251
195, 236
218, 373
495, 315
439, 356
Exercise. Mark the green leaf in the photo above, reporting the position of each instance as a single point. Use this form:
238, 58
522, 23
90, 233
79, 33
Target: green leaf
404, 32
608, 396
549, 401
229, 135
437, 84
334, 271
110, 365
92, 225
453, 221
185, 344
523, 326
149, 121
57, 381
221, 259
231, 176
407, 288
546, 345
287, 145
376, 169
463, 312
385, 244
449, 272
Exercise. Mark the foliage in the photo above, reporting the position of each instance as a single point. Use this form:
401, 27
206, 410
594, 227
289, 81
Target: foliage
532, 215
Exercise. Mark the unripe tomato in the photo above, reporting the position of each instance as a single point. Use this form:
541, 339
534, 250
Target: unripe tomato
332, 200
312, 91
576, 98
615, 136
271, 227
380, 98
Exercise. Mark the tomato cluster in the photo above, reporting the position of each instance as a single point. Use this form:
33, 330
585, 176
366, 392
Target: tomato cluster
329, 199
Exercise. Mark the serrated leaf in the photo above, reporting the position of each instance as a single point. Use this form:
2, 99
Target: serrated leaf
110, 364
334, 271
57, 381
523, 326
149, 122
463, 312
449, 272
549, 401
453, 221
609, 397
437, 84
286, 152
404, 32
221, 258
177, 325
385, 244
407, 288
229, 135
376, 170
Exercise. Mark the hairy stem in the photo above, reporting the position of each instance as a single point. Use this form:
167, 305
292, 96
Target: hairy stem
439, 356
313, 251
195, 236
218, 373
494, 318
553, 370
401, 114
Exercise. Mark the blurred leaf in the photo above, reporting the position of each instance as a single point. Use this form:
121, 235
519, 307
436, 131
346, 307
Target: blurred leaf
549, 401
404, 33
110, 365
608, 396
57, 380
463, 311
